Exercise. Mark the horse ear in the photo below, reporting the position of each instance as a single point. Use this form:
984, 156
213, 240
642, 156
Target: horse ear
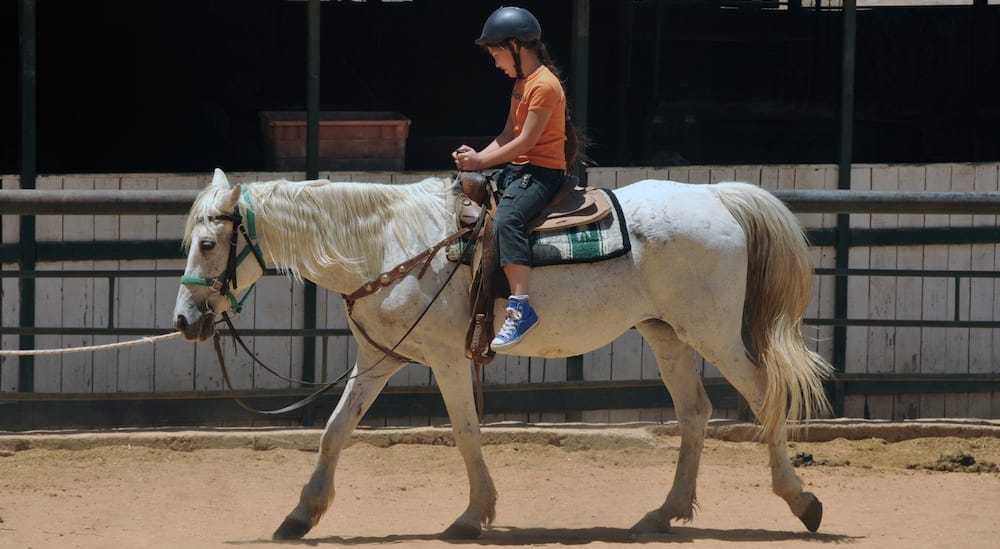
219, 178
234, 198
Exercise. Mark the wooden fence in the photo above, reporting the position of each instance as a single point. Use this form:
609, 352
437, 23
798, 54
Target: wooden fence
176, 367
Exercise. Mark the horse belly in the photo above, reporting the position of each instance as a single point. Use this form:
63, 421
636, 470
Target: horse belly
581, 307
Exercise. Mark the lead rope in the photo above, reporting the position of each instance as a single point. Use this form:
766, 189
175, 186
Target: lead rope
90, 348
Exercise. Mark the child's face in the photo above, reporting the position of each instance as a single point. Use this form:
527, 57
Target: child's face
503, 60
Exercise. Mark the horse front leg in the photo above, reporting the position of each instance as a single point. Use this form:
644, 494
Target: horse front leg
317, 494
675, 360
455, 382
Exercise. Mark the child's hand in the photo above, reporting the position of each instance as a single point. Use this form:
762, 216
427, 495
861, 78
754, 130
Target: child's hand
466, 158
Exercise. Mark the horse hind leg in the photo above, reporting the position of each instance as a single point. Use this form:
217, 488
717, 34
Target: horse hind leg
804, 505
751, 382
675, 360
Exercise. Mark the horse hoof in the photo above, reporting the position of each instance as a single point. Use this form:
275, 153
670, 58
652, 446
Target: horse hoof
651, 524
813, 515
461, 531
291, 529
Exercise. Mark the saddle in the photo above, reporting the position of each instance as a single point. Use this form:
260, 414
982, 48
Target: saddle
571, 206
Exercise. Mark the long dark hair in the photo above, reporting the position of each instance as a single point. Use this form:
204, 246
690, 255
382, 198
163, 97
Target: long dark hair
575, 140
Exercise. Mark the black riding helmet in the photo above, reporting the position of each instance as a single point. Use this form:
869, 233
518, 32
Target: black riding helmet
510, 22
511, 27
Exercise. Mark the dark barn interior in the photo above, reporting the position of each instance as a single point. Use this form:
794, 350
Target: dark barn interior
178, 86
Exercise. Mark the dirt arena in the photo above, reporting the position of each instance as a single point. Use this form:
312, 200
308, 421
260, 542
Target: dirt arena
558, 486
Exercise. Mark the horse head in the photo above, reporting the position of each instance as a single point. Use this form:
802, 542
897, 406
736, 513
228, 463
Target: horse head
215, 268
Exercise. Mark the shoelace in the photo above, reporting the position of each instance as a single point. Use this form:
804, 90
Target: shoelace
511, 322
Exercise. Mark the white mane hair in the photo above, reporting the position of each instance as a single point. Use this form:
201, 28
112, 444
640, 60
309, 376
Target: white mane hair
314, 225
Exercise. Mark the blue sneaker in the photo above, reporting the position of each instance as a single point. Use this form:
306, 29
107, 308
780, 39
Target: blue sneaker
520, 318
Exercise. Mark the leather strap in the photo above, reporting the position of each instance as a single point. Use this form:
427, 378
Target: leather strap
291, 407
399, 271
387, 278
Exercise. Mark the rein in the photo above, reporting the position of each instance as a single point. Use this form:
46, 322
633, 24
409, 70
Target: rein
391, 276
223, 282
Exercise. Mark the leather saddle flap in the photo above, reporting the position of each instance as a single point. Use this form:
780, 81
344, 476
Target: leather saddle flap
580, 206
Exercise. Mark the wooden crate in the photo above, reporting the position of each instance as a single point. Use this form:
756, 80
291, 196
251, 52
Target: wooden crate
348, 140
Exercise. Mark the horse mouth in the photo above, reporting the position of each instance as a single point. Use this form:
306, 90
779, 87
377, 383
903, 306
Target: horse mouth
199, 330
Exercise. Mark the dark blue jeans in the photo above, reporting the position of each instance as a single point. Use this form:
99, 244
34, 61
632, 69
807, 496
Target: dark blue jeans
526, 190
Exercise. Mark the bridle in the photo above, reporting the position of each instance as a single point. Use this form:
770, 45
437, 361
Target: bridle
226, 283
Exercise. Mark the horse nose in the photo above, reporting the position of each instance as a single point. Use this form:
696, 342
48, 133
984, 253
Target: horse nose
181, 323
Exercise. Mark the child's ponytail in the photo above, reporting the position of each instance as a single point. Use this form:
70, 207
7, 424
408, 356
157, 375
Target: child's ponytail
575, 141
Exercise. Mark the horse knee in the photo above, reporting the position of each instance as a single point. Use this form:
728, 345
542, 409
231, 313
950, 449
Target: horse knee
692, 417
703, 408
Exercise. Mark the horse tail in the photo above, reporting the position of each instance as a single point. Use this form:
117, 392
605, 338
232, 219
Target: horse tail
779, 286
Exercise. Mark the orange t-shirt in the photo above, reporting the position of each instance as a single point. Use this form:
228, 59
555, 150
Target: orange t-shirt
541, 90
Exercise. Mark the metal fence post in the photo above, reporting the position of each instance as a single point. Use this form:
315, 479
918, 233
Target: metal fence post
309, 293
26, 364
843, 249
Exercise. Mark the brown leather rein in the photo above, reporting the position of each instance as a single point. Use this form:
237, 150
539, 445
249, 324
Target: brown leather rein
391, 276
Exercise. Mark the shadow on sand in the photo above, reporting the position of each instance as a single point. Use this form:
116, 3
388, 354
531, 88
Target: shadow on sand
504, 535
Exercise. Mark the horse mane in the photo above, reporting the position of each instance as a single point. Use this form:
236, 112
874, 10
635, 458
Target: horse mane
315, 225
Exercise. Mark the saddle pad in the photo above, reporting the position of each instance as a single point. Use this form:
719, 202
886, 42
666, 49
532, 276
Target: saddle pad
603, 239
597, 241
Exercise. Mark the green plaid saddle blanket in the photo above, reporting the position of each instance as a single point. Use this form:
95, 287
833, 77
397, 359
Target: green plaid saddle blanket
597, 241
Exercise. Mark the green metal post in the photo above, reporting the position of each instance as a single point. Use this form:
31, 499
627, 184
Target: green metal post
581, 69
844, 182
312, 91
847, 94
26, 364
309, 293
580, 77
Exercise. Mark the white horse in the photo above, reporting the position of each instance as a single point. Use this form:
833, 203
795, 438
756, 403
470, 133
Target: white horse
709, 263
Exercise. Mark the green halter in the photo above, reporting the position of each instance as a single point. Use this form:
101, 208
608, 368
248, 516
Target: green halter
226, 282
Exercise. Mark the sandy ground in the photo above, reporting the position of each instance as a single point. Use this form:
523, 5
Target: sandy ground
558, 487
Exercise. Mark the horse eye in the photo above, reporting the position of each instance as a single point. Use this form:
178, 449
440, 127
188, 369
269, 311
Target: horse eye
207, 245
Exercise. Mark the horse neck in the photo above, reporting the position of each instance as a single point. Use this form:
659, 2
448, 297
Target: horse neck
341, 235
